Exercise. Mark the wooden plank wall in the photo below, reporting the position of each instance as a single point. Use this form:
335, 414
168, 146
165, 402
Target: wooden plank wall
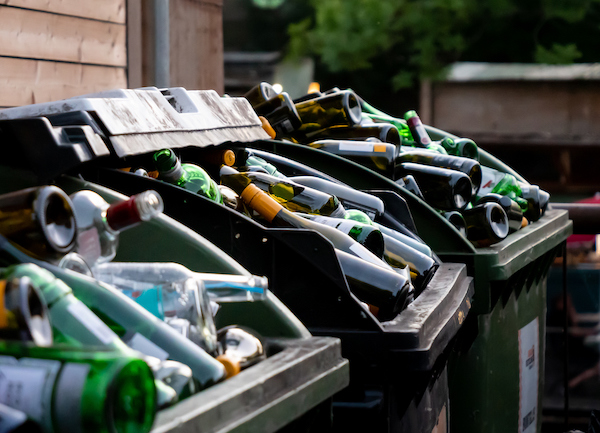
55, 49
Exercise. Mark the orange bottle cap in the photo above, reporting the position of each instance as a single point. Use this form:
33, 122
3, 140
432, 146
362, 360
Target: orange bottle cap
228, 157
231, 365
267, 127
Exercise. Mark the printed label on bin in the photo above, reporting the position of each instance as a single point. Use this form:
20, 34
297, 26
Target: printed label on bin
88, 319
358, 147
142, 344
529, 361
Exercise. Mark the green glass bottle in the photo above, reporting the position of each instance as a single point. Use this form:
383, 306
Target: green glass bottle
297, 198
254, 160
68, 389
367, 235
138, 328
188, 176
40, 220
339, 108
497, 182
462, 147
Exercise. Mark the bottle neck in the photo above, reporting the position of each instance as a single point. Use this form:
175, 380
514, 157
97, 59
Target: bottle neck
173, 174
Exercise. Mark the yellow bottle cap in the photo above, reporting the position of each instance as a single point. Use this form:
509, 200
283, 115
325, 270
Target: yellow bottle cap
524, 222
228, 157
231, 365
314, 87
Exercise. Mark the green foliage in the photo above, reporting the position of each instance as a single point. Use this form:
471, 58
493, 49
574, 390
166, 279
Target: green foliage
419, 38
558, 54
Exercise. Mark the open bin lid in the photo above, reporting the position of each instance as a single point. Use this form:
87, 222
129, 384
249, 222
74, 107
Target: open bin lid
136, 121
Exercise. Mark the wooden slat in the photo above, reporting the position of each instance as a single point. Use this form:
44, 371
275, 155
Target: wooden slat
106, 10
29, 81
39, 35
196, 40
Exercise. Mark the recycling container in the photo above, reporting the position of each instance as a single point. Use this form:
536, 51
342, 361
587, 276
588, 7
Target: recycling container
496, 373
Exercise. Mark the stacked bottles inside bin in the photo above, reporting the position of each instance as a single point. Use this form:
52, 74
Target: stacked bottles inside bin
483, 203
116, 341
384, 268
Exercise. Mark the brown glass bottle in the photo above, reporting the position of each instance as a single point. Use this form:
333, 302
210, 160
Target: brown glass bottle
384, 132
340, 108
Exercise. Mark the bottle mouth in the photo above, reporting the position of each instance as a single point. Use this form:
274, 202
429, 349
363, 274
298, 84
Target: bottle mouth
498, 220
164, 159
476, 177
375, 243
353, 109
457, 220
58, 219
468, 149
463, 190
392, 136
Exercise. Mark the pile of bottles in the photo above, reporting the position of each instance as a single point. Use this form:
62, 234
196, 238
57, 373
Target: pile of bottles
483, 203
94, 345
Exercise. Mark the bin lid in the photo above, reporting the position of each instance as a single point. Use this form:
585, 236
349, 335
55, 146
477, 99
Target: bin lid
142, 120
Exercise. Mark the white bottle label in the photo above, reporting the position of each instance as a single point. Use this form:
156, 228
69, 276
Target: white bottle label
92, 322
345, 226
88, 245
26, 385
358, 147
489, 179
142, 344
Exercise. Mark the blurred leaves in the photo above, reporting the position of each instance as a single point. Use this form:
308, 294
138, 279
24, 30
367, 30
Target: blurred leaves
419, 38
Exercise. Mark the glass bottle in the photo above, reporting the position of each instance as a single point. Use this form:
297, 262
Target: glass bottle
139, 329
497, 182
417, 130
275, 214
457, 220
99, 223
379, 157
188, 176
442, 188
367, 235
468, 166
255, 160
487, 224
296, 197
462, 147
409, 183
384, 132
512, 209
281, 113
389, 291
262, 92
16, 421
339, 108
349, 197
74, 389
24, 314
241, 347
39, 220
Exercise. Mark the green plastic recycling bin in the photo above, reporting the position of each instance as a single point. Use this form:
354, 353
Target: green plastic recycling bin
496, 373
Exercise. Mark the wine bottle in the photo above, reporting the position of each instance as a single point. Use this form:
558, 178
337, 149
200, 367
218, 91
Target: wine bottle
389, 291
275, 214
457, 220
254, 160
175, 375
73, 389
262, 92
349, 197
340, 108
216, 156
462, 147
385, 132
442, 188
242, 346
379, 157
281, 113
535, 198
512, 209
188, 176
417, 130
295, 197
131, 322
231, 199
487, 224
40, 221
99, 224
16, 421
24, 314
494, 181
468, 166
182, 297
367, 235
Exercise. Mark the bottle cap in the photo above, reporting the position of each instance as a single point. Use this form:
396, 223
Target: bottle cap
231, 365
139, 207
267, 127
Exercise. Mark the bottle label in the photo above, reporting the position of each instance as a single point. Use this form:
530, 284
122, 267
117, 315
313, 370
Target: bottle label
357, 147
489, 180
88, 245
142, 344
26, 385
88, 319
